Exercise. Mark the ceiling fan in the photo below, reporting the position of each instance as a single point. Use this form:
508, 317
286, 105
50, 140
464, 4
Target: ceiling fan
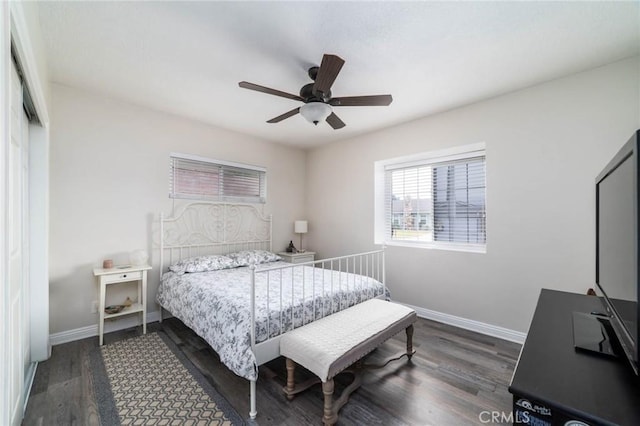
317, 95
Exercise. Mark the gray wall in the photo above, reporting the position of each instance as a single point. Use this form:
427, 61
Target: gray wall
545, 145
109, 182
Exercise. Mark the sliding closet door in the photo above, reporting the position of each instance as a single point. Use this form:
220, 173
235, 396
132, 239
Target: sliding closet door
17, 256
24, 211
26, 279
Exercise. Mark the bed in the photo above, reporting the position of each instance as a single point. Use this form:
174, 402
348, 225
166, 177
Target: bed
242, 309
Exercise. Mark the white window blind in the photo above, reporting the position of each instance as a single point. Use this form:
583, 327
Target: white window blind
433, 200
200, 178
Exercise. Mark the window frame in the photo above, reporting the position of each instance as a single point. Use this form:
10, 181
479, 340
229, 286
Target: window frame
261, 173
381, 167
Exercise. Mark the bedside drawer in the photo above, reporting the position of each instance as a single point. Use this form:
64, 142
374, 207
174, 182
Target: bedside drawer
123, 277
302, 258
308, 256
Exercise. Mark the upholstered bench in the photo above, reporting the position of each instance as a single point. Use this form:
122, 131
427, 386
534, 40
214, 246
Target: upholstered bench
332, 344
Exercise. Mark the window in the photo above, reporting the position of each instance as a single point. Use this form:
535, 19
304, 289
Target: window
201, 178
434, 199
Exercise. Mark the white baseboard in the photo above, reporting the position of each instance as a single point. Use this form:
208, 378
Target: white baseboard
467, 324
92, 330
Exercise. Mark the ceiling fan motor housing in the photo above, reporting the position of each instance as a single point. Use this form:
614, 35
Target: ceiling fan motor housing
309, 95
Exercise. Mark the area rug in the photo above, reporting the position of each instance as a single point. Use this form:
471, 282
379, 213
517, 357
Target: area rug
146, 380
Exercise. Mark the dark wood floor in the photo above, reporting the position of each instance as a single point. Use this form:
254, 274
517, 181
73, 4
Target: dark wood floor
454, 376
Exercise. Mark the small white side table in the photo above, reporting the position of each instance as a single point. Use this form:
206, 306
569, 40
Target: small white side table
307, 256
121, 274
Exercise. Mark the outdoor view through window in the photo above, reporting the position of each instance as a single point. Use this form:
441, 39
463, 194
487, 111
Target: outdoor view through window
438, 202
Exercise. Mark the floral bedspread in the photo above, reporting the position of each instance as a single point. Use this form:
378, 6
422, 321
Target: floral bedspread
216, 305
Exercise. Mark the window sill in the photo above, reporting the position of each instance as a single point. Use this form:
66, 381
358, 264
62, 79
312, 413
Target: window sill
469, 248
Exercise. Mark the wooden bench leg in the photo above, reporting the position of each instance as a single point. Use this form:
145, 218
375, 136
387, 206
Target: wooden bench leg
329, 417
292, 389
291, 383
410, 351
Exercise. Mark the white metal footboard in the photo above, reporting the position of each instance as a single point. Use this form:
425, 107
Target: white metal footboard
362, 266
351, 269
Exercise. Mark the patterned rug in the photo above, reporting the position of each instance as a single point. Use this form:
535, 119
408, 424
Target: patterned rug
146, 380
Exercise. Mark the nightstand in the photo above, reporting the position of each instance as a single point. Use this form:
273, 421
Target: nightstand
307, 256
121, 274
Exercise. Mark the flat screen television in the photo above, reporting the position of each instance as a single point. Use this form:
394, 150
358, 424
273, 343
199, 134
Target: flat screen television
617, 251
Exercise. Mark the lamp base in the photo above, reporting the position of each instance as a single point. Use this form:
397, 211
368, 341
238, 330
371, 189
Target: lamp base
301, 250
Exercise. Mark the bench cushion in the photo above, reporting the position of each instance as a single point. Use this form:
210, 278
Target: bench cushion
333, 343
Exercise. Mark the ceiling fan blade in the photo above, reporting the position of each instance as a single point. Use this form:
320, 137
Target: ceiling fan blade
374, 100
327, 73
285, 115
269, 91
335, 122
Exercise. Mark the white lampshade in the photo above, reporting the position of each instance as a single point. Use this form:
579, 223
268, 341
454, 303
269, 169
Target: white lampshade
315, 112
300, 226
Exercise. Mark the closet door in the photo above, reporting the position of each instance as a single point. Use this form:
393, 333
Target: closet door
16, 214
26, 279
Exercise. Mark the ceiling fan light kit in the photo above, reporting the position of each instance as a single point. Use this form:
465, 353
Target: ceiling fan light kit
317, 95
315, 112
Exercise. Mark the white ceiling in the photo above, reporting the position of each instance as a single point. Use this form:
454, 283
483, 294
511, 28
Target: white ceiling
187, 58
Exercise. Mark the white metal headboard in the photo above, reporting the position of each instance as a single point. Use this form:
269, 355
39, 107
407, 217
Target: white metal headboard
200, 229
